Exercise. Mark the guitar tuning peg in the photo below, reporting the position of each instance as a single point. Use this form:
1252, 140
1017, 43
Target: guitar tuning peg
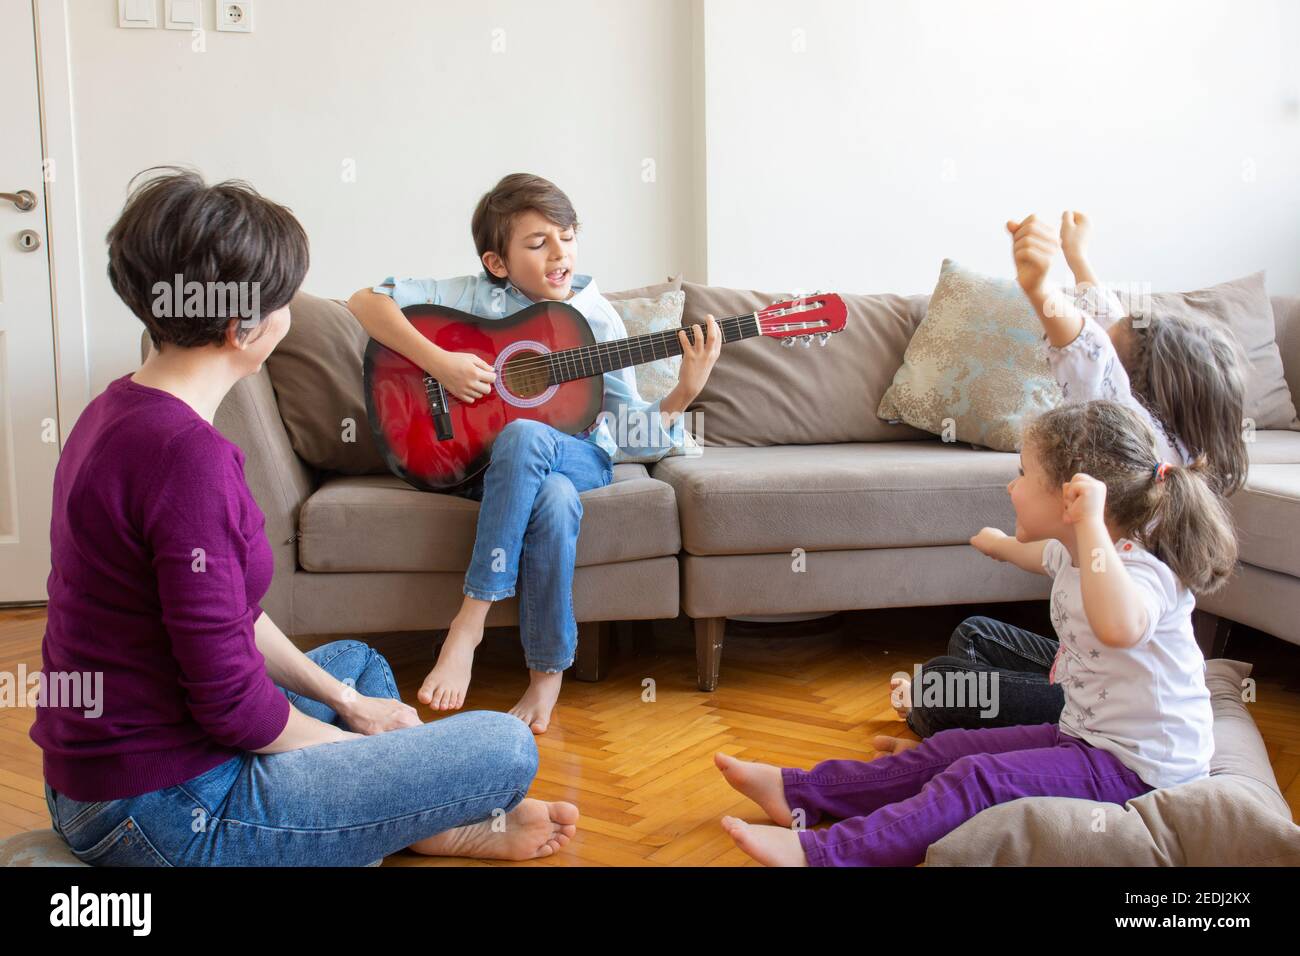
823, 338
787, 343
807, 341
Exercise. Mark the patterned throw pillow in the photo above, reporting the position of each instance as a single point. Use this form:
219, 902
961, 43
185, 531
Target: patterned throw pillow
973, 371
654, 380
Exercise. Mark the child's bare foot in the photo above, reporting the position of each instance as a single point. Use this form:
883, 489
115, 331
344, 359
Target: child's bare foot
761, 782
893, 745
771, 846
900, 695
535, 707
532, 830
445, 686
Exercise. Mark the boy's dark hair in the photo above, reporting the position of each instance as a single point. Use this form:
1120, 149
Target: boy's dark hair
496, 211
174, 224
1182, 520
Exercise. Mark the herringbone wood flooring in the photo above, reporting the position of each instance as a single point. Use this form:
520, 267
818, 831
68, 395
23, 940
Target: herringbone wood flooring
640, 770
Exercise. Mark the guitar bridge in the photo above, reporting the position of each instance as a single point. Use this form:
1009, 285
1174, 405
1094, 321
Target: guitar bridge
437, 396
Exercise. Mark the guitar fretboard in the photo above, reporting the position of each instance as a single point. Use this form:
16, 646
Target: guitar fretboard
591, 360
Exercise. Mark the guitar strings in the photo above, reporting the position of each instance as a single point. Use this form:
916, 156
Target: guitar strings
570, 357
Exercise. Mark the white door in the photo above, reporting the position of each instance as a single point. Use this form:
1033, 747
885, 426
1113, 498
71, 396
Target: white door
29, 434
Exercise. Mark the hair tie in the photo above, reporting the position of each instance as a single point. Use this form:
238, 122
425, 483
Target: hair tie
1160, 469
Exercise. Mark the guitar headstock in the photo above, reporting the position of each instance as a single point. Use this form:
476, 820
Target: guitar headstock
816, 315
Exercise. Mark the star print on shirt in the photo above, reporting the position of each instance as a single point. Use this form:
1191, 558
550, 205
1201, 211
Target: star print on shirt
1094, 654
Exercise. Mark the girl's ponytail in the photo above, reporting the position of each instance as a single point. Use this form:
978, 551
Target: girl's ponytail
1191, 530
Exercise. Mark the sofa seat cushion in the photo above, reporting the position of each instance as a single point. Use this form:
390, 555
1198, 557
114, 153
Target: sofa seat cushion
1267, 514
839, 497
1274, 447
380, 523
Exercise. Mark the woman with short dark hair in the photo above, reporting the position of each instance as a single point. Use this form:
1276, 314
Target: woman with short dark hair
214, 740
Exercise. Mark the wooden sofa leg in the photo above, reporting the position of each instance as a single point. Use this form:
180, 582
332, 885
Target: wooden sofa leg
709, 632
591, 662
1211, 632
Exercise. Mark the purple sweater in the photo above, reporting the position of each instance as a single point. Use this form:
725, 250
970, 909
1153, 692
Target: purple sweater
159, 561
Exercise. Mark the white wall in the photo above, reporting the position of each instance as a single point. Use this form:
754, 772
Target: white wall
832, 144
415, 93
904, 133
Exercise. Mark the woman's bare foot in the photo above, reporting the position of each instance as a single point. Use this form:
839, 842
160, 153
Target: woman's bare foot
445, 686
893, 745
535, 707
900, 695
532, 830
771, 846
761, 782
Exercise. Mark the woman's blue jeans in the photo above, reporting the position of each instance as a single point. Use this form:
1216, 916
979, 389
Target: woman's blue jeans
342, 804
1021, 660
528, 524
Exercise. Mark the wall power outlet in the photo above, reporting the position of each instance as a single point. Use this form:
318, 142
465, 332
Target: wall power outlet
235, 16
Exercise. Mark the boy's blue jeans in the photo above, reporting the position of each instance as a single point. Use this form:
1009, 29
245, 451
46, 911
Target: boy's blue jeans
349, 803
528, 525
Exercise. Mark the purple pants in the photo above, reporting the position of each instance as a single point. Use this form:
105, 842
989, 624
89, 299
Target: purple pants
892, 808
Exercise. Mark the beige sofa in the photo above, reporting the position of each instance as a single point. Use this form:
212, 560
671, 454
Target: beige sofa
803, 500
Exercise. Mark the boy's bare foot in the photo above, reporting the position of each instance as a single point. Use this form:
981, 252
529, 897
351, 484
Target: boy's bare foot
900, 695
532, 830
445, 686
535, 707
893, 745
771, 846
761, 782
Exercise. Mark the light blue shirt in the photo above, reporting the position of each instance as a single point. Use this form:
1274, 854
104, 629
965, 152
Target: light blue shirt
628, 428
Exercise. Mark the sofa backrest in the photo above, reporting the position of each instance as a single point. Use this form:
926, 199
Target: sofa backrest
762, 394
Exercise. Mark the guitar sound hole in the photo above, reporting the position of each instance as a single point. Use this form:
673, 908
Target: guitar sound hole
525, 374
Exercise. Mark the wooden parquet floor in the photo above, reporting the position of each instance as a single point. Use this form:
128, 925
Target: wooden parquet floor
639, 764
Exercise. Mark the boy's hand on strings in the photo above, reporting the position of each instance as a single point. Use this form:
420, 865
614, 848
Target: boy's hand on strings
1076, 230
698, 356
1084, 498
1033, 247
465, 376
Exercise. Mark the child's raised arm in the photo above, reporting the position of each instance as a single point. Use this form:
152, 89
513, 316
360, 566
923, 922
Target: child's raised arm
1033, 247
1076, 229
1026, 555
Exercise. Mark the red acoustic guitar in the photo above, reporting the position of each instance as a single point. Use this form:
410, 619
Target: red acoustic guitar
548, 365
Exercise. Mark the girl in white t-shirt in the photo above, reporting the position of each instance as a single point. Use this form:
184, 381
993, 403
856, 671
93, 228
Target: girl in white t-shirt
1184, 378
1126, 538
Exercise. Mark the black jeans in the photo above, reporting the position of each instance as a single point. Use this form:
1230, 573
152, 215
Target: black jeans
1022, 695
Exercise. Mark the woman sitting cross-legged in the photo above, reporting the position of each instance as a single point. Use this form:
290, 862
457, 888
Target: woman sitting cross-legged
212, 739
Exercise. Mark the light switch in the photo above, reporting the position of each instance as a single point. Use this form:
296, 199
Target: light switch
137, 14
184, 15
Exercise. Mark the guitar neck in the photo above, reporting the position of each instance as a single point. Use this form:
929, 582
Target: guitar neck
592, 360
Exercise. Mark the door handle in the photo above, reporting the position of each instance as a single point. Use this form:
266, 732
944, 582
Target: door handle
24, 199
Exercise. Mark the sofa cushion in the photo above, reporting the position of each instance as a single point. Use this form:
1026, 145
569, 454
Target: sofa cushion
1267, 515
673, 284
838, 497
762, 394
380, 523
1236, 817
1244, 307
316, 373
642, 316
974, 370
1274, 447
